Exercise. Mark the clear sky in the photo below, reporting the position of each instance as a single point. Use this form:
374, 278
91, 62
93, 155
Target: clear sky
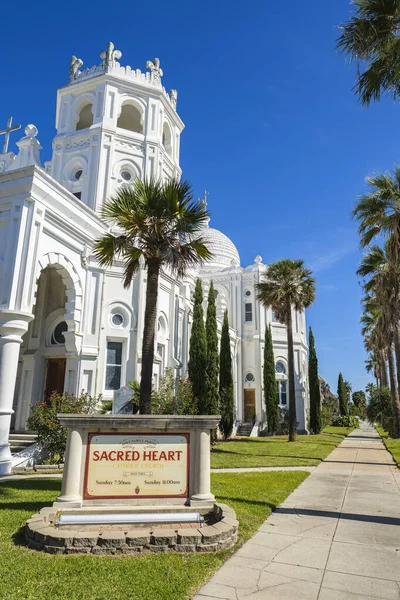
273, 130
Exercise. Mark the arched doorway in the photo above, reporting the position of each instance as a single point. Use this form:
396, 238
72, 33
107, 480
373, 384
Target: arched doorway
48, 358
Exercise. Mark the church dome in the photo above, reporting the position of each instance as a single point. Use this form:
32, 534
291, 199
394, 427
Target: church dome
225, 253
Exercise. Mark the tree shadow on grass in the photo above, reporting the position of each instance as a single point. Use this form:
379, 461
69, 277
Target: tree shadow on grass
228, 499
19, 537
26, 506
32, 483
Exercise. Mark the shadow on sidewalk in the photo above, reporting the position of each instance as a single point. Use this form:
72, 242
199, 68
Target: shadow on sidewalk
309, 512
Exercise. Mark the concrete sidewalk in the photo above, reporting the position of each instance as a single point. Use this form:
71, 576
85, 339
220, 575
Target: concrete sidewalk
336, 537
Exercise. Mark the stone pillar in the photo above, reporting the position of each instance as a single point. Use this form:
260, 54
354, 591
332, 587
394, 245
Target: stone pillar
71, 489
202, 492
13, 325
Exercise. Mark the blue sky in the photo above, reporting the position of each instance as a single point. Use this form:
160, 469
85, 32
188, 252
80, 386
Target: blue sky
273, 130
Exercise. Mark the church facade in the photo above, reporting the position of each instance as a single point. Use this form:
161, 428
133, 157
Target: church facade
65, 323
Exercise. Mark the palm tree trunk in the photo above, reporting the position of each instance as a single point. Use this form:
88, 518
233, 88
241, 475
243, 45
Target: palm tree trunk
384, 382
397, 353
394, 393
292, 389
150, 316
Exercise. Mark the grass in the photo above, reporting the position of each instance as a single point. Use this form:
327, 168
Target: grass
392, 445
27, 574
276, 451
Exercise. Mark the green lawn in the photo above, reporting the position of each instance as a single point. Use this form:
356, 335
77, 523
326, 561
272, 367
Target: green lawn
28, 574
277, 451
392, 445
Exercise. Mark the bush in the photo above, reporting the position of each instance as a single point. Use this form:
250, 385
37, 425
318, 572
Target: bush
329, 410
165, 401
51, 435
346, 421
379, 409
283, 421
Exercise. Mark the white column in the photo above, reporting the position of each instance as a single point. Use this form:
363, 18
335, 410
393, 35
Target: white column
13, 325
71, 483
202, 491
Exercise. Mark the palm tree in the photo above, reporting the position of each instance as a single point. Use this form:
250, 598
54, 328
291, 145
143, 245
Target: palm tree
382, 307
378, 213
158, 224
288, 284
371, 36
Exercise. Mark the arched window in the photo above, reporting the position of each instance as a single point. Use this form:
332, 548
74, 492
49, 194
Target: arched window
280, 368
281, 383
167, 138
85, 117
130, 118
57, 337
162, 327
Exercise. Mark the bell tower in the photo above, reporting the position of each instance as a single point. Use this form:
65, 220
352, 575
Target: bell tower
114, 124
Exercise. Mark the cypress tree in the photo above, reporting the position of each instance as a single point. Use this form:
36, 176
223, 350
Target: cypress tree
226, 381
342, 394
313, 382
198, 350
270, 391
212, 370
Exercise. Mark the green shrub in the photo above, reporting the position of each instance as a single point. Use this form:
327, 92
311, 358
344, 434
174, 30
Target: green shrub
106, 407
51, 435
170, 401
329, 409
346, 421
379, 408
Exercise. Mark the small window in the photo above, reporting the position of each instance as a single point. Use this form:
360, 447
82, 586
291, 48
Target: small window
248, 293
126, 175
57, 337
117, 320
78, 174
281, 387
113, 365
248, 312
249, 377
161, 326
167, 139
280, 368
85, 118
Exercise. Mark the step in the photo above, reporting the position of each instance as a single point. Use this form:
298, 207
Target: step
16, 449
22, 435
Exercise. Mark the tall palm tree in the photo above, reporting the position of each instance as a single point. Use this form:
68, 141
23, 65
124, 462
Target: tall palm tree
160, 224
287, 285
378, 212
371, 36
372, 366
382, 303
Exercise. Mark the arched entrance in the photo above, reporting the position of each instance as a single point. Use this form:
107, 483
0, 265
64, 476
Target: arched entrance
49, 355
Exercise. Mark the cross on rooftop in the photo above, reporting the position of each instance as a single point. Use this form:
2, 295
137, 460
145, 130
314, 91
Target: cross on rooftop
7, 132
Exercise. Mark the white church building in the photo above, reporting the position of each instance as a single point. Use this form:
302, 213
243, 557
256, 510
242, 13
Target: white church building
68, 325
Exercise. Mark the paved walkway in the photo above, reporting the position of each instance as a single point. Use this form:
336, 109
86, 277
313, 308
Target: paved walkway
262, 469
336, 537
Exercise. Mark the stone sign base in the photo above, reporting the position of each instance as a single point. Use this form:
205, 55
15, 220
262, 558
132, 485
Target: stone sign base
218, 533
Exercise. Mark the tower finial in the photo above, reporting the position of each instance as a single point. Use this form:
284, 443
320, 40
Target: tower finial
173, 96
154, 66
203, 204
109, 55
74, 66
